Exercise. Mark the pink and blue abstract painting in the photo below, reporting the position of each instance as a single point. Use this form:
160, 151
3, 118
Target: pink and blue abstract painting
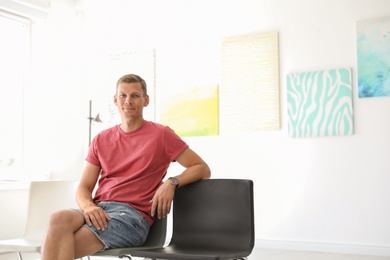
373, 57
319, 103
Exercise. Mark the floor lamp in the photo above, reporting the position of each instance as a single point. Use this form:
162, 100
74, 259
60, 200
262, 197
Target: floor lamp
92, 119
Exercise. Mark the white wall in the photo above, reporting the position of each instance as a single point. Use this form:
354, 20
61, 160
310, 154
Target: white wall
314, 191
314, 194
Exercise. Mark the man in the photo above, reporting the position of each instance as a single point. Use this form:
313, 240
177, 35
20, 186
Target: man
129, 161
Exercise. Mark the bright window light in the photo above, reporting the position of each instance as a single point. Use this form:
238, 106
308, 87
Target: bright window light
15, 58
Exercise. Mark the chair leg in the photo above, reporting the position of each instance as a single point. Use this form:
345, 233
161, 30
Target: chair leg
20, 256
125, 256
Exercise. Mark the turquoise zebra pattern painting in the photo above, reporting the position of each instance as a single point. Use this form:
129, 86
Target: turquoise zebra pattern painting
320, 103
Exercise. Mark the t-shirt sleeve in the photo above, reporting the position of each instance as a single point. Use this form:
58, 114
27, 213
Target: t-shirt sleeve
174, 145
92, 156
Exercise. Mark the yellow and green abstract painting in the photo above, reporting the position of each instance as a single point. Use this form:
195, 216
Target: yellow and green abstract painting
192, 111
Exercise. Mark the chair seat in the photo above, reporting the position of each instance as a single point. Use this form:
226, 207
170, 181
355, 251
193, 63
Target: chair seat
122, 251
20, 245
171, 252
156, 238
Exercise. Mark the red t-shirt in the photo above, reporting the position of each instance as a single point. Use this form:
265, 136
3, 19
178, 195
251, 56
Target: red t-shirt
133, 164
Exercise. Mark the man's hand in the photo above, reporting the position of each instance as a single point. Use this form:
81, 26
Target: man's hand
162, 200
96, 216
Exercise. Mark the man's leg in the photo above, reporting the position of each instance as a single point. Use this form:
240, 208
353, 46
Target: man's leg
60, 241
86, 243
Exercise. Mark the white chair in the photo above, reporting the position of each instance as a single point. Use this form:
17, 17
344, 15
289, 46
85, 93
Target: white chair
45, 197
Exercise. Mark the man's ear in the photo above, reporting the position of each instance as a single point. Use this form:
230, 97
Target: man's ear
115, 100
146, 103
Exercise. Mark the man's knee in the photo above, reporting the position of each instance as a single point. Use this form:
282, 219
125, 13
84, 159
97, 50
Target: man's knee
66, 219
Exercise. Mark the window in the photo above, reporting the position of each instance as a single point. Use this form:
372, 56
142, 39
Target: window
14, 62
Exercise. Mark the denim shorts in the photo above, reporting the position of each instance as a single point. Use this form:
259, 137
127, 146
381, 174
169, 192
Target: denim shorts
126, 228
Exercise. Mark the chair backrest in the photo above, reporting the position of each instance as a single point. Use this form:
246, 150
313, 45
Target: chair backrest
46, 197
157, 233
214, 213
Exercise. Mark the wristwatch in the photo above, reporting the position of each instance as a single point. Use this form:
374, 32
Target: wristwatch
174, 181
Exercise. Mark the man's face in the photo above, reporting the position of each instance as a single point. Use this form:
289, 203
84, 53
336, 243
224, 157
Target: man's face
130, 100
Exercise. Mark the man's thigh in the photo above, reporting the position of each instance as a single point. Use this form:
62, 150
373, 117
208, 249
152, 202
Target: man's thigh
126, 227
86, 243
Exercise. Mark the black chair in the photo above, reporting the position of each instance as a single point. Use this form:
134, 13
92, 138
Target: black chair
212, 219
156, 238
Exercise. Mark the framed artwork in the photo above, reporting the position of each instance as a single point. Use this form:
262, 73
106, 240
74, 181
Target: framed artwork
249, 91
319, 103
115, 65
373, 57
192, 111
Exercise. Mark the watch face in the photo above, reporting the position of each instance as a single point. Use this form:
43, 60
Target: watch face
174, 181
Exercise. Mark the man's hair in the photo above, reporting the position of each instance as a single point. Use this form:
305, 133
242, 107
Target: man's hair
132, 78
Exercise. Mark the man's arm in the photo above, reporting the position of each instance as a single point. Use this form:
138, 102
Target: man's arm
93, 215
196, 169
